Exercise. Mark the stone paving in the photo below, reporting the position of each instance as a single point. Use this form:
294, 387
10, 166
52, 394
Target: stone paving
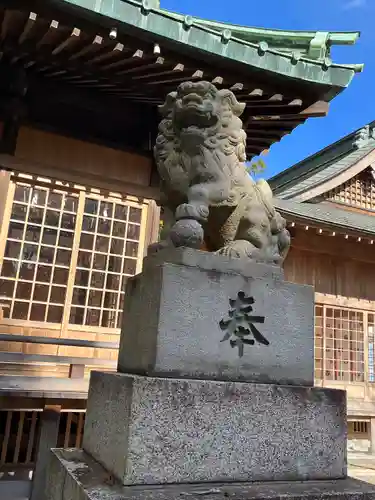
14, 490
362, 466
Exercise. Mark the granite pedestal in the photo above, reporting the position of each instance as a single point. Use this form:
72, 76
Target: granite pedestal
147, 430
214, 387
172, 315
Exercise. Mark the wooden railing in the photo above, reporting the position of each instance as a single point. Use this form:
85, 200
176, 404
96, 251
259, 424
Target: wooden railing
28, 434
50, 387
26, 438
19, 436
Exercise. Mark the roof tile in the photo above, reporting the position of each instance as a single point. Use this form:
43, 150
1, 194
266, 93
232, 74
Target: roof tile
323, 213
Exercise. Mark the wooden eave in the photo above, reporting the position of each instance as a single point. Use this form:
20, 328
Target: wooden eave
326, 217
68, 58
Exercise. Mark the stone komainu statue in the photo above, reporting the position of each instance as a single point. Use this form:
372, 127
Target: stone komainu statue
200, 153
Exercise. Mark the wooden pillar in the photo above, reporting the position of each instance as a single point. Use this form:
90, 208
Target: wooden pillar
4, 190
49, 432
372, 435
152, 225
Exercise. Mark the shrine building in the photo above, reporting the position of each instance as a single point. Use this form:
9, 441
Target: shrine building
80, 82
328, 200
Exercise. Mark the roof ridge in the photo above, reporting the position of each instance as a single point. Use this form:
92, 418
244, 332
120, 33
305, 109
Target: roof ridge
352, 35
357, 140
330, 38
319, 176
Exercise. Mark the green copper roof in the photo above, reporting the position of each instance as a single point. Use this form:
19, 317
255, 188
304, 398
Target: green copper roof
302, 57
309, 44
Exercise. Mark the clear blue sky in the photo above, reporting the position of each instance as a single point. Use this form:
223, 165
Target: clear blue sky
351, 109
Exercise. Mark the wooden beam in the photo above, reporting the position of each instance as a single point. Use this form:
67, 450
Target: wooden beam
255, 148
149, 64
237, 87
29, 25
260, 132
42, 92
281, 110
319, 108
271, 121
116, 51
82, 178
137, 57
89, 69
179, 68
74, 68
73, 38
35, 339
256, 93
143, 100
197, 75
218, 80
20, 357
7, 19
295, 102
261, 141
53, 62
93, 47
50, 36
41, 387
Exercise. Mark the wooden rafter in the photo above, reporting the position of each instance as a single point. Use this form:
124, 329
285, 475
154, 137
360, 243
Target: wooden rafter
83, 63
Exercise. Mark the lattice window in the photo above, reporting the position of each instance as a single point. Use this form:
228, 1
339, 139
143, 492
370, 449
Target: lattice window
371, 346
319, 342
339, 344
358, 191
358, 427
108, 253
38, 251
69, 255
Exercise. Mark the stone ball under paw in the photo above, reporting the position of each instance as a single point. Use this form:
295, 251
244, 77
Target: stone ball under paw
187, 233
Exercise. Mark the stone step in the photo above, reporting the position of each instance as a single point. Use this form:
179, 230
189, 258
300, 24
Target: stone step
147, 430
78, 476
